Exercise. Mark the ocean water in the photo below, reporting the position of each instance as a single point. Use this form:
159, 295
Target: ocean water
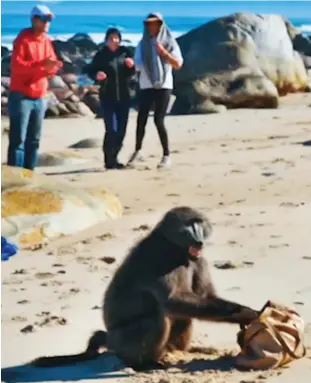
94, 17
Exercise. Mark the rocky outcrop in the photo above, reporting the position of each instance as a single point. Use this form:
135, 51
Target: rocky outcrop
35, 210
66, 97
241, 60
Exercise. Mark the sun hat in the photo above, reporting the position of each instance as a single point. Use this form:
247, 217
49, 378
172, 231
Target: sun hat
41, 11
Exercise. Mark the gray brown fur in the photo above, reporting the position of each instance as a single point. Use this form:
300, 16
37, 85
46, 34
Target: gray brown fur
159, 289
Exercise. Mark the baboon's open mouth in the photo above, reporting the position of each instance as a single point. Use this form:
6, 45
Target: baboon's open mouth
194, 251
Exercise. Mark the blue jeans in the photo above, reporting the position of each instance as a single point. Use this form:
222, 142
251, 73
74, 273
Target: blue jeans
26, 117
115, 114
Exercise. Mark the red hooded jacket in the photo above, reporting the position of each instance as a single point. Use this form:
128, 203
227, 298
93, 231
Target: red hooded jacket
28, 74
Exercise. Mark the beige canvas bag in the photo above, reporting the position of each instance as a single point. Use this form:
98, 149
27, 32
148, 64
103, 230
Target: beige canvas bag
273, 339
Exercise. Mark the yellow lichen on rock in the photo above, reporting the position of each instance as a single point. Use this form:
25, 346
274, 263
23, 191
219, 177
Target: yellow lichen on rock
29, 201
111, 199
36, 210
33, 237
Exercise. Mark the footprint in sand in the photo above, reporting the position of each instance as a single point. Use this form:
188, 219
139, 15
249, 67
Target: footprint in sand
225, 265
52, 320
289, 204
106, 236
19, 272
23, 302
229, 265
83, 260
142, 227
28, 329
108, 260
19, 318
43, 275
279, 245
48, 319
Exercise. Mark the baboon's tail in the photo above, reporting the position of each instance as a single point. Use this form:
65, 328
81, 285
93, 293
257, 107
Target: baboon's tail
97, 341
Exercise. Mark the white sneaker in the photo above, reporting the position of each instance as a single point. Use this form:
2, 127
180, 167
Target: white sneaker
166, 162
135, 157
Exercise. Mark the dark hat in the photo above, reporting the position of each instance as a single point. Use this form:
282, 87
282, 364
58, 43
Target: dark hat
113, 31
153, 17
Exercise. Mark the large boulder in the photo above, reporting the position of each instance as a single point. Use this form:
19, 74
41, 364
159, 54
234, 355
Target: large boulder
36, 209
241, 60
93, 102
84, 43
57, 82
6, 66
65, 49
4, 51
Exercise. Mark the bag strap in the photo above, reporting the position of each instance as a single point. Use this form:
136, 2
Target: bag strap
279, 337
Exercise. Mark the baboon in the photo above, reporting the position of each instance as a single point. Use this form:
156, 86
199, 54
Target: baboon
161, 286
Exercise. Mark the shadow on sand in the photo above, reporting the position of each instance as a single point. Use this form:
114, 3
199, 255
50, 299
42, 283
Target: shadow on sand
107, 366
78, 171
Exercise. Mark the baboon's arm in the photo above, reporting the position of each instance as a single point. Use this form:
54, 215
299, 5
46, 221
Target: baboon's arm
212, 308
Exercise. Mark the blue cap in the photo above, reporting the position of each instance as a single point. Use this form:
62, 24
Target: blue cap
41, 10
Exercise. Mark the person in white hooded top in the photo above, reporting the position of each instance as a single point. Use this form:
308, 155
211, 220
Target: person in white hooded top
156, 55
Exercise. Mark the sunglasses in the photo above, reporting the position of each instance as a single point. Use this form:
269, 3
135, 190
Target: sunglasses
44, 19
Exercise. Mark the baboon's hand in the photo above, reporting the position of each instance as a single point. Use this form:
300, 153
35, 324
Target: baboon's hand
246, 316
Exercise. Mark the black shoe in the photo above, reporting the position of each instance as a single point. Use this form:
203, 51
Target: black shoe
119, 165
116, 165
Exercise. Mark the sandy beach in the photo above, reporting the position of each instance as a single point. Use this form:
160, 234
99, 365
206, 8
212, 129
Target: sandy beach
248, 170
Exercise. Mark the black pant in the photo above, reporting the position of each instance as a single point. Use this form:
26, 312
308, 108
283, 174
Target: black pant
115, 114
160, 98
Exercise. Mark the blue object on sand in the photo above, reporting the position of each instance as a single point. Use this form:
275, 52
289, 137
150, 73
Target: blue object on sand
7, 249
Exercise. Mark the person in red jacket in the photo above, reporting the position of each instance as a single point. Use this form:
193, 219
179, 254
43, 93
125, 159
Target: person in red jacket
33, 61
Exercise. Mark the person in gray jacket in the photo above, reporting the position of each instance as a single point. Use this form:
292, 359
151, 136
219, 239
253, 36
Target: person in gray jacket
156, 55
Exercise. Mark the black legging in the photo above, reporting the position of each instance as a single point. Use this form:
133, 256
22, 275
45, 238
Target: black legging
160, 98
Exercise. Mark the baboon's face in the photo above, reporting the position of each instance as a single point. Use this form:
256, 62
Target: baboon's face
186, 228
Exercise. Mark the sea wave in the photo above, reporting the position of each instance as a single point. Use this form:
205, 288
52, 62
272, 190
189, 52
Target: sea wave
305, 28
127, 38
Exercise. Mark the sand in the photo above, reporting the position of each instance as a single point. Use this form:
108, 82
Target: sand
248, 170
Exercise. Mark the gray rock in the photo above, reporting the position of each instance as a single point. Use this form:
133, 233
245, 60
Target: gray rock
83, 42
70, 78
87, 143
72, 106
62, 94
57, 82
84, 110
241, 60
4, 101
5, 81
63, 110
52, 111
51, 100
208, 107
6, 66
74, 98
92, 101
4, 51
60, 158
